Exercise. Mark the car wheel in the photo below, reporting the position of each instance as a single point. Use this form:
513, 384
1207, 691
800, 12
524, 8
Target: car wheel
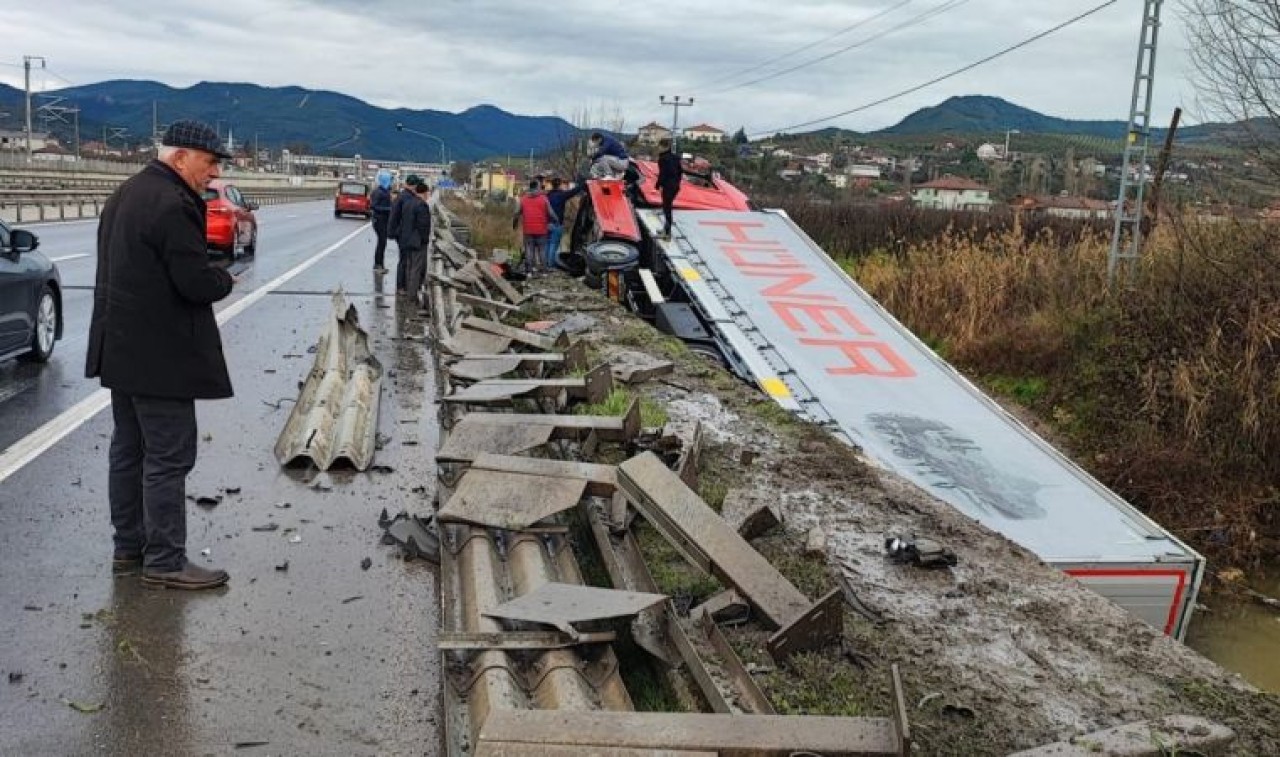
45, 334
252, 247
336, 214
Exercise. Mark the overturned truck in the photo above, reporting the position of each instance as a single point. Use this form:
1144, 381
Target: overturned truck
749, 289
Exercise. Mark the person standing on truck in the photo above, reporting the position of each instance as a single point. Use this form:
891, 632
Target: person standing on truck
395, 222
609, 158
669, 177
534, 216
380, 206
558, 198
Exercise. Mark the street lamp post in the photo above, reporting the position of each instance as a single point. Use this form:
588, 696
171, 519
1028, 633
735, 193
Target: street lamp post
444, 165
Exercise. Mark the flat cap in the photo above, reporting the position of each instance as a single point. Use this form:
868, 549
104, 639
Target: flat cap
194, 135
413, 180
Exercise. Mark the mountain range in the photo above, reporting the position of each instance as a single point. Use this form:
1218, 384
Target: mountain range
313, 121
323, 122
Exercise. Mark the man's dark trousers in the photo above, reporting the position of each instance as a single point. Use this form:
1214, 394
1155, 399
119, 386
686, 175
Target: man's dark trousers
153, 449
380, 228
668, 199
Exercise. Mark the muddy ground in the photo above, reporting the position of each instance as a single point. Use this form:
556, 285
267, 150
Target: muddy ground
998, 654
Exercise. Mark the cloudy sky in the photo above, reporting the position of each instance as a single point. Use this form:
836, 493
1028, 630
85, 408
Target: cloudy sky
608, 59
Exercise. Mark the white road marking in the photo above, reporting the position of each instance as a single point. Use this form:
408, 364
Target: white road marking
36, 443
65, 258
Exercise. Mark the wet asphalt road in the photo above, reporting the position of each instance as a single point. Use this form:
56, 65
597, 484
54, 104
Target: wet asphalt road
321, 658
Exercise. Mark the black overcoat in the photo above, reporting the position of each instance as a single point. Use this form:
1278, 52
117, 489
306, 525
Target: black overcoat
153, 331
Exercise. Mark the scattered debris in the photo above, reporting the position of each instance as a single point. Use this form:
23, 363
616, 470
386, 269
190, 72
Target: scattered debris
726, 608
249, 744
283, 505
382, 469
815, 542
295, 539
1175, 734
631, 367
416, 536
283, 567
561, 605
206, 552
366, 563
926, 553
16, 676
204, 500
760, 522
232, 490
575, 323
85, 707
349, 600
32, 608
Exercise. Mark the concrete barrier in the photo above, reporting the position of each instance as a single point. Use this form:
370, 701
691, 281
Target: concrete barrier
35, 206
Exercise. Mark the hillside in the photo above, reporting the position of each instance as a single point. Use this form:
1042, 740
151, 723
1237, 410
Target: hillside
980, 114
324, 122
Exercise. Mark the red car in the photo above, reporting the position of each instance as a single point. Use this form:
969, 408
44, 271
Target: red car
352, 198
229, 219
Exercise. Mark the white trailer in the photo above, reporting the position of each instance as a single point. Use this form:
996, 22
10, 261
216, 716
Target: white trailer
788, 318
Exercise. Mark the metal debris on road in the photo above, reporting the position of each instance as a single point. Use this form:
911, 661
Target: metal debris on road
16, 676
86, 707
416, 536
349, 600
336, 415
511, 501
282, 567
266, 527
366, 563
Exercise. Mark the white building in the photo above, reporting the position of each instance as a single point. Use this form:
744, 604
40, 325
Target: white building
838, 180
17, 140
952, 193
859, 171
652, 133
704, 133
990, 152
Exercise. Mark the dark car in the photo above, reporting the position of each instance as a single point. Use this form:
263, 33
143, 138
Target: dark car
230, 222
352, 198
30, 298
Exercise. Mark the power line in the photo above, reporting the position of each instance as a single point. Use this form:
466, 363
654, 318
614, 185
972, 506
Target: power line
944, 77
913, 21
810, 46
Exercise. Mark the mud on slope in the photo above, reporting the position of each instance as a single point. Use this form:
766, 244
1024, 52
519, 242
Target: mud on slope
998, 654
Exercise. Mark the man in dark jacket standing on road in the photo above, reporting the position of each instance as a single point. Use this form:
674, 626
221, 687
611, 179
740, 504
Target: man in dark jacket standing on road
154, 343
408, 195
415, 239
380, 206
669, 175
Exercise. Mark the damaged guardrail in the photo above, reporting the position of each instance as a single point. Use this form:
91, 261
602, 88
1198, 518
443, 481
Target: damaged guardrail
529, 650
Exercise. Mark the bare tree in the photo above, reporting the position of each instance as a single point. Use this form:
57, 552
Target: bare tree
1235, 51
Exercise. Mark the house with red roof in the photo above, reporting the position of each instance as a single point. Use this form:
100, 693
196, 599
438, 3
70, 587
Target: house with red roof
704, 133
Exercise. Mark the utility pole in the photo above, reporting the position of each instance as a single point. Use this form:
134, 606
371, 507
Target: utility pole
26, 70
1133, 171
675, 103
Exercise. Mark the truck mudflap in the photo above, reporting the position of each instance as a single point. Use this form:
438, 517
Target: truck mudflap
792, 321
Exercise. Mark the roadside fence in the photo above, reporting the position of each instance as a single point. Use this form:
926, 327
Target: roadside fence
33, 206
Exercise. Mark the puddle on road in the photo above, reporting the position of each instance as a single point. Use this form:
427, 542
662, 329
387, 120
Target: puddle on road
1242, 636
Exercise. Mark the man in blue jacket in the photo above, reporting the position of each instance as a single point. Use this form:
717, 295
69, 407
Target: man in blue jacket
608, 157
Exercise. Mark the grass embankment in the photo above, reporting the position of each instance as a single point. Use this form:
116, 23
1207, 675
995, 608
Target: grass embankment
1167, 388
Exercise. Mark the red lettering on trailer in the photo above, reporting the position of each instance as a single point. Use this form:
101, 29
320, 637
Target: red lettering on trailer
818, 312
770, 258
789, 284
735, 229
860, 364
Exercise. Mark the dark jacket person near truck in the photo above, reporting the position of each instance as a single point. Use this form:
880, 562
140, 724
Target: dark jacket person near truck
154, 342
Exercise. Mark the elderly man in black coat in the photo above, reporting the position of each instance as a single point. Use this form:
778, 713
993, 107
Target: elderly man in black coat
154, 343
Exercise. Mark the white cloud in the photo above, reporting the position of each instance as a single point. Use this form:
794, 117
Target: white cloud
577, 55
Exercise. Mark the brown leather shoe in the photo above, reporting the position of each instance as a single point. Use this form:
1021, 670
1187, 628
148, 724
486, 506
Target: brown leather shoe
192, 577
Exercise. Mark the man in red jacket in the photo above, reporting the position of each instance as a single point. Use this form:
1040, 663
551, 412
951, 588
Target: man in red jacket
536, 215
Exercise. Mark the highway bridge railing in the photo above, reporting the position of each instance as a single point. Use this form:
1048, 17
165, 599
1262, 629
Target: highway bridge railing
18, 206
